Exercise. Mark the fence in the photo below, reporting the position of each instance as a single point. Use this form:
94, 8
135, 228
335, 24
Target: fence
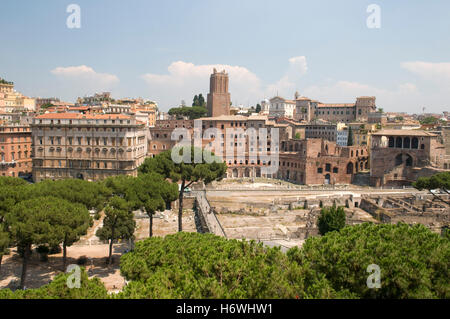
208, 214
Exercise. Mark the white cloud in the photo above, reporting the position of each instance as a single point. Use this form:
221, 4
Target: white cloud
405, 97
185, 79
86, 78
287, 84
428, 70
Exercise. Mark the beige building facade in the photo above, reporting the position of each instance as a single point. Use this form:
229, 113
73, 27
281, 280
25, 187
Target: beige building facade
84, 146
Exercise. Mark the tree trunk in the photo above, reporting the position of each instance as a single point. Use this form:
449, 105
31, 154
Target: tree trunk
150, 227
64, 255
180, 208
110, 251
1, 257
26, 255
111, 246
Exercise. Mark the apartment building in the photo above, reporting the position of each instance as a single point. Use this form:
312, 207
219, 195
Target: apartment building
87, 146
15, 150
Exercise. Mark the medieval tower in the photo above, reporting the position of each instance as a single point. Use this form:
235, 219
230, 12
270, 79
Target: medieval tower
218, 102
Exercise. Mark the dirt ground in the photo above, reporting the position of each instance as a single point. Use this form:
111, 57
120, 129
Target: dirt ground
41, 273
288, 224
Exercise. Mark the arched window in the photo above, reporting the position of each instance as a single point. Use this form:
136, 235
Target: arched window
406, 142
399, 142
391, 141
415, 143
350, 168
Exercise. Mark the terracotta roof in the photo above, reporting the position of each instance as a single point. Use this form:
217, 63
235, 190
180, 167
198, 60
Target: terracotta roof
404, 133
225, 118
82, 116
79, 108
283, 99
336, 105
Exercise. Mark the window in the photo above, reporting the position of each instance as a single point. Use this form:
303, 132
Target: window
319, 170
391, 141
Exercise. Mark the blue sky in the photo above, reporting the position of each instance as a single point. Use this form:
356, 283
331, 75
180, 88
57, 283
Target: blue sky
165, 50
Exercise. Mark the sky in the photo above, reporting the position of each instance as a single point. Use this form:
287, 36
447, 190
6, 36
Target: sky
166, 50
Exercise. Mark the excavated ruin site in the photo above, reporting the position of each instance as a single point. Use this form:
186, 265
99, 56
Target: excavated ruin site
285, 215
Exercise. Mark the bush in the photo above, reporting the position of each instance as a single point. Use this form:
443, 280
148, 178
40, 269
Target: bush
58, 289
192, 265
331, 219
413, 260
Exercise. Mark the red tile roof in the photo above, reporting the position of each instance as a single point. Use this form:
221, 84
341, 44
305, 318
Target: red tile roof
83, 116
336, 105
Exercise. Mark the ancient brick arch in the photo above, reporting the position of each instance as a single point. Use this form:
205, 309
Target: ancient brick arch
350, 168
404, 158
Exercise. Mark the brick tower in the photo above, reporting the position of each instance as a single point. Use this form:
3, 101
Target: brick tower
218, 102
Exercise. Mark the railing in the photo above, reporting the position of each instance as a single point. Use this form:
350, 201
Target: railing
209, 216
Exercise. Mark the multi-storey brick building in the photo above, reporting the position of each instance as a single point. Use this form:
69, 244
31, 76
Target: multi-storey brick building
303, 161
160, 135
15, 150
85, 146
334, 132
318, 161
248, 154
400, 157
